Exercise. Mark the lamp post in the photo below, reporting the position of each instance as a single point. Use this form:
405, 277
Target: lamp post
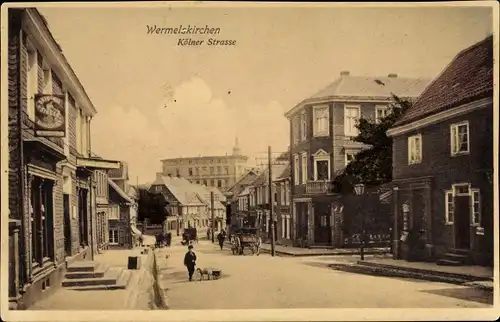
359, 189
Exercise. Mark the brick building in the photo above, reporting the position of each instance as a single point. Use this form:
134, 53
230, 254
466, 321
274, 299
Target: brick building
232, 196
443, 162
321, 128
51, 191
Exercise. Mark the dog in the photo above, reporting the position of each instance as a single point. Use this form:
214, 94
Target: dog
209, 273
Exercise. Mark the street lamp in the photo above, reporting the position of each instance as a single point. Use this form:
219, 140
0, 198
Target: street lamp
359, 189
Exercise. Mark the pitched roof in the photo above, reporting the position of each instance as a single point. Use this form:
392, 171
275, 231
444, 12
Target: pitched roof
263, 178
245, 192
120, 192
368, 87
467, 78
180, 189
286, 173
244, 179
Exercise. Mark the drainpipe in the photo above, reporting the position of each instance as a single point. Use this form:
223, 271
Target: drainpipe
91, 194
21, 193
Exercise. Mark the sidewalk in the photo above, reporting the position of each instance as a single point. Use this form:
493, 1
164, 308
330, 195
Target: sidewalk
137, 295
296, 251
474, 276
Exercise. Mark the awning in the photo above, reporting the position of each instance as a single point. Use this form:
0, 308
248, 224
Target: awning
46, 147
97, 163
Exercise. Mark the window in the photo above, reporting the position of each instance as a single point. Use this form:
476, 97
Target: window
349, 157
226, 170
324, 221
114, 212
197, 171
32, 80
211, 170
287, 193
303, 126
113, 236
321, 124
449, 207
304, 168
381, 111
219, 171
295, 129
322, 171
190, 170
47, 80
282, 194
351, 117
225, 182
41, 213
219, 183
205, 182
177, 172
476, 207
212, 183
296, 170
461, 189
204, 169
414, 149
459, 138
321, 165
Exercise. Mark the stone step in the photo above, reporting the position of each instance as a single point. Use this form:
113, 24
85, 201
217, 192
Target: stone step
110, 278
121, 283
448, 262
99, 272
82, 266
464, 252
456, 256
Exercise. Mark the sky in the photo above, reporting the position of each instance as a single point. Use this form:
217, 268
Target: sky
158, 100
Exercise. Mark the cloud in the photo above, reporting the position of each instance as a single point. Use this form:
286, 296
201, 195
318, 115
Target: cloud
127, 135
191, 122
197, 123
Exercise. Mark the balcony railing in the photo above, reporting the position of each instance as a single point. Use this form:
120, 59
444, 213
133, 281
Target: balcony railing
317, 187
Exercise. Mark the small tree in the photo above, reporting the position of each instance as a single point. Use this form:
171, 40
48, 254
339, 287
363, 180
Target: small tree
152, 206
372, 166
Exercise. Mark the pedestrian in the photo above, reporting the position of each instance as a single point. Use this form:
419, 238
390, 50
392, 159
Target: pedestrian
169, 239
141, 241
190, 261
220, 238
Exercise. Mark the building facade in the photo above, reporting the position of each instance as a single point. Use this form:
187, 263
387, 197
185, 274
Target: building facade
283, 211
102, 210
190, 205
221, 172
321, 132
443, 164
261, 201
232, 197
120, 233
51, 187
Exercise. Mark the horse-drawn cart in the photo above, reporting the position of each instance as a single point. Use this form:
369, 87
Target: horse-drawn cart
245, 237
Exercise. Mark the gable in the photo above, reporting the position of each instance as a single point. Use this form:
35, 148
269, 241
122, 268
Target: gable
321, 153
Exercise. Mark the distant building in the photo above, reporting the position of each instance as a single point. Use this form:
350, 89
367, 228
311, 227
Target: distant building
212, 171
190, 204
259, 214
443, 163
321, 131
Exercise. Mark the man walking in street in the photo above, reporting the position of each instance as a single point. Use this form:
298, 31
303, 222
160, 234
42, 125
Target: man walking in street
190, 261
220, 238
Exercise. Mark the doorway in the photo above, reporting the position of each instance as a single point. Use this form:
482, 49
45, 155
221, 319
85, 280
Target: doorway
67, 225
462, 222
83, 217
322, 224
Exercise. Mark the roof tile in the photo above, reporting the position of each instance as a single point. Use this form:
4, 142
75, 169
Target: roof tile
468, 77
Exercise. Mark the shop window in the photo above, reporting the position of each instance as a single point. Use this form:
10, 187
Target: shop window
41, 211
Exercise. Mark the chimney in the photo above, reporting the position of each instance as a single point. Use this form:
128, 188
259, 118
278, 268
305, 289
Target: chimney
392, 75
344, 73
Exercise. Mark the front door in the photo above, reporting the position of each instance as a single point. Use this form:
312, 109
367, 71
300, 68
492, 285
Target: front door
322, 224
462, 222
67, 225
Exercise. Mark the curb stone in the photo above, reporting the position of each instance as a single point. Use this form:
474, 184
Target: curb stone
402, 273
159, 294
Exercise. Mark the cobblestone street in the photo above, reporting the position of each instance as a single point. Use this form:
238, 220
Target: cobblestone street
265, 282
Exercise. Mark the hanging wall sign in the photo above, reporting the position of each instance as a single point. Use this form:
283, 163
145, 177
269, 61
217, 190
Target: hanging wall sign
50, 115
